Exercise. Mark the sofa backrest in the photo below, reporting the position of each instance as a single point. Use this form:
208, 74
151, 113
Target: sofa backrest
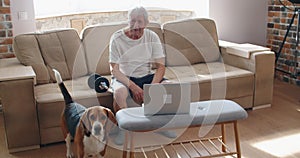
190, 41
185, 42
96, 44
156, 27
58, 49
27, 51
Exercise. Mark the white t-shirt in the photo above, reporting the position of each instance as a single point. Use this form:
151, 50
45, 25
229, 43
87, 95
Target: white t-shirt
134, 56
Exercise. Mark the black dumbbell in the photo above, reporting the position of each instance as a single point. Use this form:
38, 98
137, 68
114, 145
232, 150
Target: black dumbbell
99, 83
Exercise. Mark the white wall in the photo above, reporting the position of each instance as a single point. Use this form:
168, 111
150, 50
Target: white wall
48, 8
241, 21
26, 25
203, 9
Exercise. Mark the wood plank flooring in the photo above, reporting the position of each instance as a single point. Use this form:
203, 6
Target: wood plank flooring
267, 133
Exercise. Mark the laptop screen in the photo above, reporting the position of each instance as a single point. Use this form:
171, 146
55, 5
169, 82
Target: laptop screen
167, 98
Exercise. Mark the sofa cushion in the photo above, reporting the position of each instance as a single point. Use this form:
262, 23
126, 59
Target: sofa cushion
53, 54
60, 48
28, 53
74, 52
191, 41
156, 27
96, 43
213, 80
78, 88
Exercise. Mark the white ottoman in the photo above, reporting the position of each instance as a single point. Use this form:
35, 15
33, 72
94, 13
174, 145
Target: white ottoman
214, 112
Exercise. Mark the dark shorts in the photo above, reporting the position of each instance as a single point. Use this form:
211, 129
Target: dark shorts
140, 81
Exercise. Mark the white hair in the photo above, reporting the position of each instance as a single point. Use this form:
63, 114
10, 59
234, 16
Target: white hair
139, 11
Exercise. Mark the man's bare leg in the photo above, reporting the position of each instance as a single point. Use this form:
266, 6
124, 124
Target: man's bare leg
120, 96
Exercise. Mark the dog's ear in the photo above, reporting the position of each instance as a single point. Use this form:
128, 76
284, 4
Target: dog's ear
111, 121
85, 122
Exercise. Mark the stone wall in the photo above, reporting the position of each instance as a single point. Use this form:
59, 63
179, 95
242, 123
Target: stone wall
6, 33
288, 63
79, 21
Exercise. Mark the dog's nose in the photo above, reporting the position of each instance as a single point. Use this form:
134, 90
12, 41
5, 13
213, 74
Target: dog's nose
97, 128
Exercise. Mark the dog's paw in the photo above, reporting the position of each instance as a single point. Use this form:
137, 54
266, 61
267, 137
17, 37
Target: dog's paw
70, 155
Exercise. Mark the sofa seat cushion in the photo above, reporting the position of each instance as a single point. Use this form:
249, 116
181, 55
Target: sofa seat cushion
50, 102
213, 80
78, 88
204, 72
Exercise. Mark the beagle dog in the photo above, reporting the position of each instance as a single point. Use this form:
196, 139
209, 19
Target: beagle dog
89, 127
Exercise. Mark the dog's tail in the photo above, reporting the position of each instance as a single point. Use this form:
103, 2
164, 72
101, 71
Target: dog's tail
67, 97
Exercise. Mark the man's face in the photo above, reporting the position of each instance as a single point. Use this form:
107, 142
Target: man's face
137, 24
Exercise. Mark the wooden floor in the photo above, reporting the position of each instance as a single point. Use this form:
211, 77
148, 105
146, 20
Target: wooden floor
266, 133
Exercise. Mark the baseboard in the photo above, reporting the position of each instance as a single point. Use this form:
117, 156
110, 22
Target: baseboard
14, 150
261, 107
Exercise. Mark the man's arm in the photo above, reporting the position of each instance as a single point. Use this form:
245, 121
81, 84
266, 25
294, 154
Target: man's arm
160, 71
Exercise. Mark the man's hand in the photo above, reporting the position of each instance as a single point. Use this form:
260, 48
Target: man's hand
138, 93
160, 71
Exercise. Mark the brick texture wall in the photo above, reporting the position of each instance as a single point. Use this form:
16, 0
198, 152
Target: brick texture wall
279, 18
6, 33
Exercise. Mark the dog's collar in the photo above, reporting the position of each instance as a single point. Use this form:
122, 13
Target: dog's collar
86, 131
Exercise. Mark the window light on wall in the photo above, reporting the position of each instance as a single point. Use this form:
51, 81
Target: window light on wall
46, 8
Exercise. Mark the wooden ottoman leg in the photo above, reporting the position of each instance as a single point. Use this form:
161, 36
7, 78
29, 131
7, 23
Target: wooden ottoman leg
237, 140
223, 137
125, 145
128, 139
131, 144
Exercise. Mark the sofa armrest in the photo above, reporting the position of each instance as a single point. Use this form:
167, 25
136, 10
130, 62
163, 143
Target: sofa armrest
261, 63
19, 110
242, 50
12, 69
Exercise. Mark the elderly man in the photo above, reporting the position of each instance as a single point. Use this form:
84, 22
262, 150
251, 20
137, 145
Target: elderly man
132, 50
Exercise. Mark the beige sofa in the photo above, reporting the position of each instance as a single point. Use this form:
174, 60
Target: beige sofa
33, 103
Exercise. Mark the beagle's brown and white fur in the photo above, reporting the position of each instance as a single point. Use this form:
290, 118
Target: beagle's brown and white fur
88, 126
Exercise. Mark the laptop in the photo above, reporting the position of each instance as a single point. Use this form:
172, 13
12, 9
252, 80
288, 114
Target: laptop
167, 98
